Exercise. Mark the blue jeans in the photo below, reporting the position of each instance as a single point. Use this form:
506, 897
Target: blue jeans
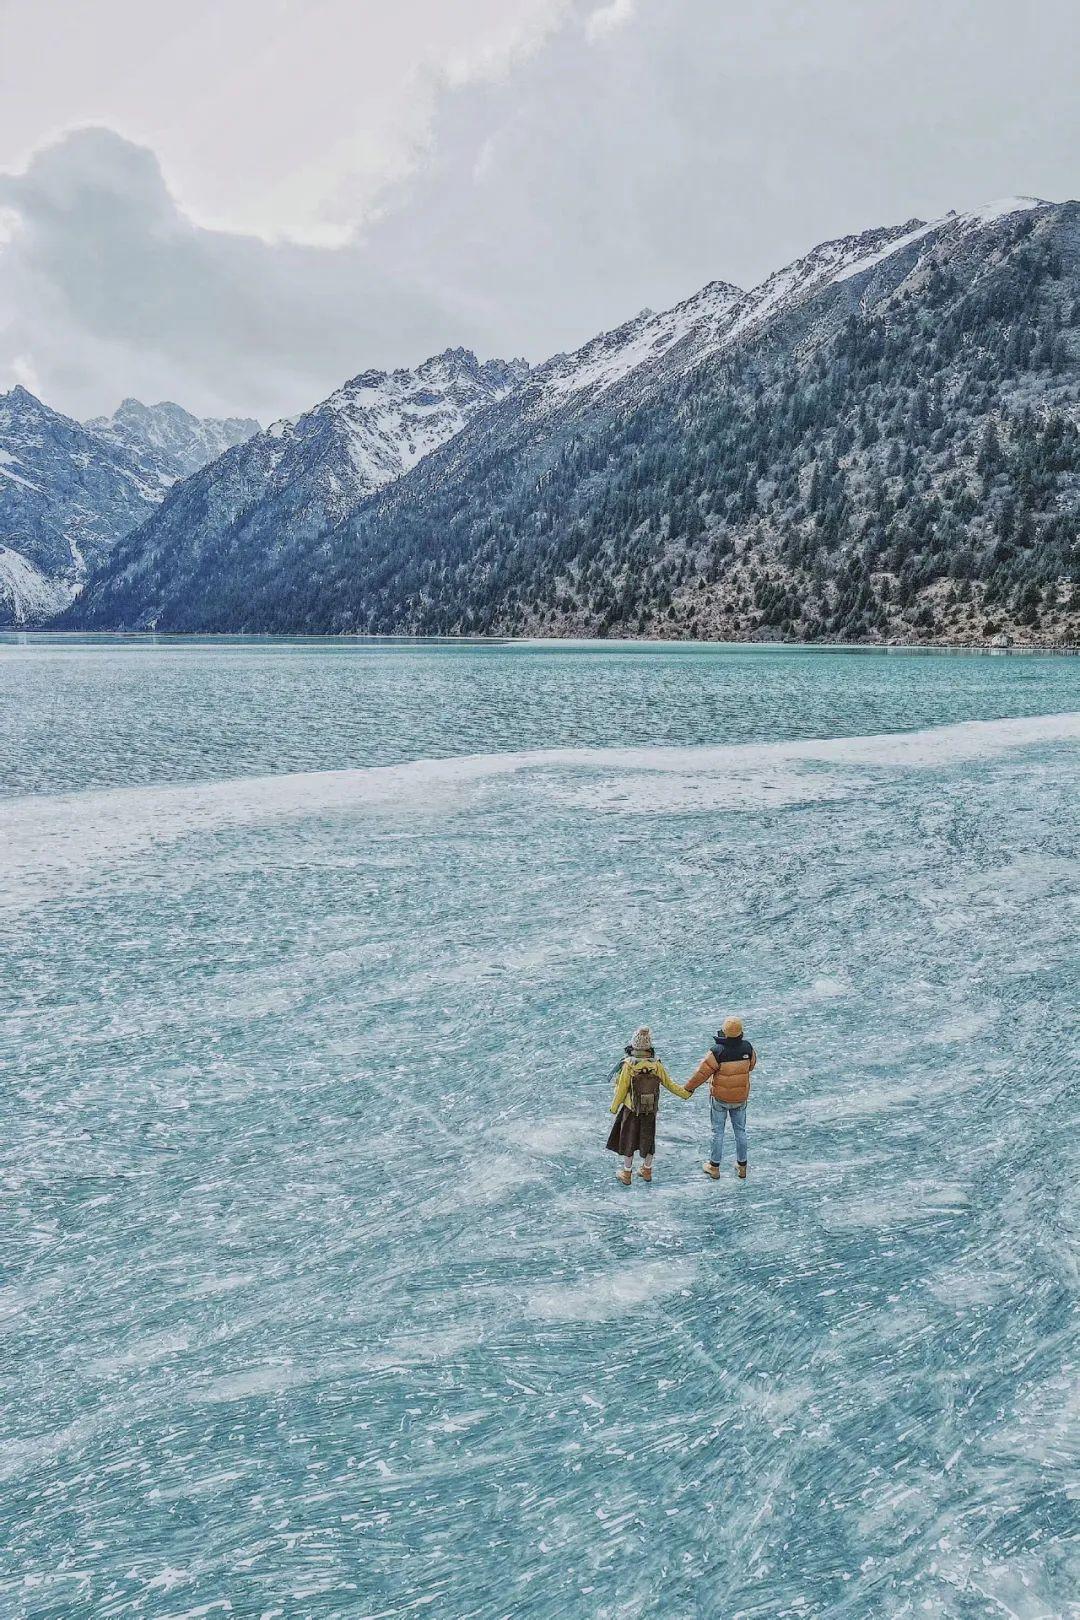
721, 1113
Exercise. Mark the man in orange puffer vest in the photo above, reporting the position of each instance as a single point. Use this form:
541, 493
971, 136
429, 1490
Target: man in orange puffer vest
726, 1066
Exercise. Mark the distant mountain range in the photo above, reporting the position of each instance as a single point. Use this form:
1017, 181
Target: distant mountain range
283, 489
69, 490
879, 442
166, 441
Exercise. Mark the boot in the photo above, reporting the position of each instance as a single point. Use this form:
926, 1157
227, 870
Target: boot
623, 1176
740, 1170
711, 1169
645, 1172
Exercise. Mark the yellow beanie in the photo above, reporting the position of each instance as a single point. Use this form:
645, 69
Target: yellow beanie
732, 1026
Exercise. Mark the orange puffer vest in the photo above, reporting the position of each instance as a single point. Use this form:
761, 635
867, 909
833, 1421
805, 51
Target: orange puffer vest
727, 1069
731, 1082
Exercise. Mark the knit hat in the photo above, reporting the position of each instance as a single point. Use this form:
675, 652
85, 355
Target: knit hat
731, 1026
642, 1041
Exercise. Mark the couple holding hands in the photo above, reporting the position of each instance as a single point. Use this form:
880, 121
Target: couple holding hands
726, 1067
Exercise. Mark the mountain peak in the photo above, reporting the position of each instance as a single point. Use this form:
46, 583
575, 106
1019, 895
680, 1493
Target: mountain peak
305, 473
134, 410
167, 442
18, 395
459, 355
463, 363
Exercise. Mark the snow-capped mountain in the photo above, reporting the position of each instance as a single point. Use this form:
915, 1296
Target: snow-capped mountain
166, 441
69, 490
812, 457
65, 496
654, 346
378, 425
815, 453
701, 325
306, 473
697, 323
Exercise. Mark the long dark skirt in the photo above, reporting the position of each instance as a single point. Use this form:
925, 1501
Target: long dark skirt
632, 1133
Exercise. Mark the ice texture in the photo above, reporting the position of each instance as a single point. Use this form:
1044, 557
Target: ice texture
318, 1295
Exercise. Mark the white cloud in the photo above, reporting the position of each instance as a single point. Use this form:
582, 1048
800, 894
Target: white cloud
609, 17
386, 181
110, 288
521, 30
276, 118
23, 371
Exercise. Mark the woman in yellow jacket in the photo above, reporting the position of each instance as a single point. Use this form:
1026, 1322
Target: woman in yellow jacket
636, 1099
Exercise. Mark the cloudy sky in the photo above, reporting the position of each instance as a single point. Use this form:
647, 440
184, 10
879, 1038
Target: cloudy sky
239, 203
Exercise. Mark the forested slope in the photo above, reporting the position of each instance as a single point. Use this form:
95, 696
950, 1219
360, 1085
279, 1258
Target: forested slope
879, 443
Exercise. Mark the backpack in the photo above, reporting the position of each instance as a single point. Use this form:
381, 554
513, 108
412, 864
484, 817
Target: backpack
645, 1089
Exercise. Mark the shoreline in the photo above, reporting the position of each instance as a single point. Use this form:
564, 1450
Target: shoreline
26, 634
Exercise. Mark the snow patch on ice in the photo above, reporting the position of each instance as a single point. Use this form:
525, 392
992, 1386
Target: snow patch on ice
828, 989
917, 1201
752, 786
53, 841
273, 1379
209, 1287
493, 1180
964, 1025
141, 1353
862, 1103
601, 1297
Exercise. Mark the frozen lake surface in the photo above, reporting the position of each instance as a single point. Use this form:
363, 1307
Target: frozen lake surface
318, 1295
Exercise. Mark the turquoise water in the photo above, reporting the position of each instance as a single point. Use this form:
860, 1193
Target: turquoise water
319, 1297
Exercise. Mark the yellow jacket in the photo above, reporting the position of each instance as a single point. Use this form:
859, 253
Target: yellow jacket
626, 1074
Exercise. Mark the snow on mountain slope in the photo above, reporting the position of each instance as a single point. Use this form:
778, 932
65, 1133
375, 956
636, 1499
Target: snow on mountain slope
27, 595
847, 257
677, 339
304, 474
702, 324
1002, 208
65, 496
381, 423
69, 490
866, 261
828, 262
395, 466
8, 464
614, 355
166, 441
989, 214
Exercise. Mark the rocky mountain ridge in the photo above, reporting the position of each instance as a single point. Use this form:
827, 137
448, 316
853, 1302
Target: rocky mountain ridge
65, 496
168, 442
879, 442
286, 486
69, 490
